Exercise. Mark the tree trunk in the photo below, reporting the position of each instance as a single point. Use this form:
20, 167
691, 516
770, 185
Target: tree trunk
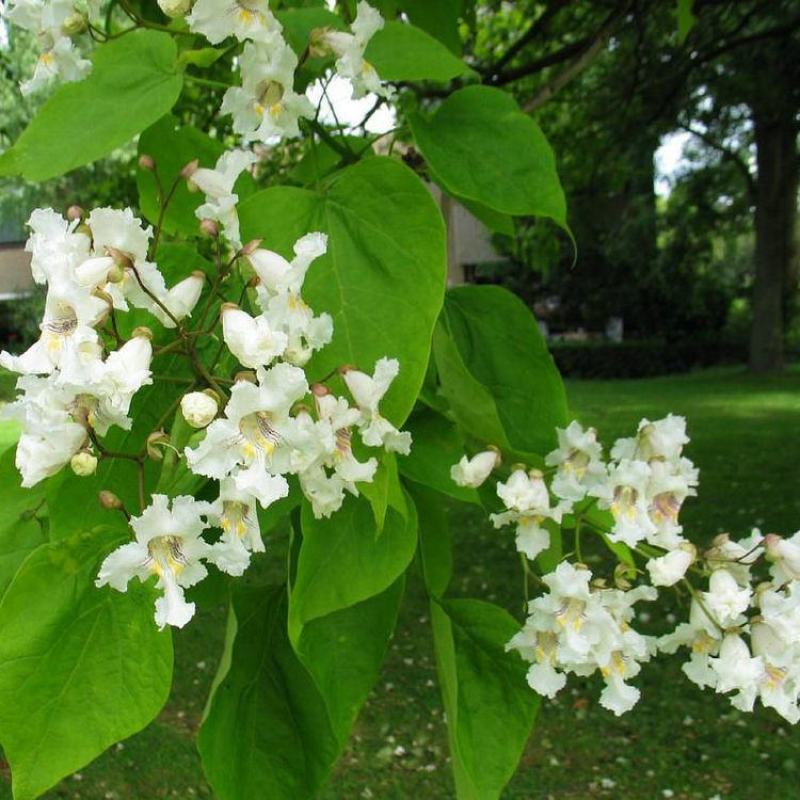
776, 210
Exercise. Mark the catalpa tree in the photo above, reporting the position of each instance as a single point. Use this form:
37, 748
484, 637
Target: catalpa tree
250, 345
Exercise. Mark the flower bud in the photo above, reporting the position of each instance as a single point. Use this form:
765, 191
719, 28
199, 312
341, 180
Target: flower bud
199, 409
318, 45
155, 443
147, 162
73, 24
190, 170
83, 464
109, 500
250, 247
175, 8
472, 472
623, 575
319, 390
209, 227
74, 212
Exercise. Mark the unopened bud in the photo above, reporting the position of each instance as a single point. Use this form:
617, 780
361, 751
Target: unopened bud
199, 408
250, 247
245, 375
147, 162
319, 390
190, 170
109, 500
175, 8
73, 24
155, 443
74, 212
83, 464
209, 227
144, 331
599, 583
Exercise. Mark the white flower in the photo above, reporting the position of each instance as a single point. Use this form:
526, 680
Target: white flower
60, 59
738, 671
169, 545
117, 229
217, 185
340, 419
180, 300
368, 392
56, 247
472, 472
324, 491
235, 512
703, 638
579, 462
251, 339
349, 49
526, 497
660, 440
266, 106
779, 683
784, 555
726, 601
254, 427
244, 19
670, 568
625, 493
280, 298
670, 484
735, 557
199, 409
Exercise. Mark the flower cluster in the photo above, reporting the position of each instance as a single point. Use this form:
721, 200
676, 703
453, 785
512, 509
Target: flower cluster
56, 24
71, 390
743, 633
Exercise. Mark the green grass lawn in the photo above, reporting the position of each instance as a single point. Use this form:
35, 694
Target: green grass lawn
678, 742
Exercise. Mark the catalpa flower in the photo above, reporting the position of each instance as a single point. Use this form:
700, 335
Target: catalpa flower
168, 545
251, 339
473, 472
376, 430
579, 462
349, 50
217, 185
254, 427
527, 501
266, 106
624, 492
244, 19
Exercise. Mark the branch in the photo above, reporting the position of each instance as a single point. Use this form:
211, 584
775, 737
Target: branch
536, 27
727, 155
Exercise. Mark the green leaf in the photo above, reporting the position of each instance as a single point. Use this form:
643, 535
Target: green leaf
437, 446
343, 562
344, 652
266, 732
384, 490
502, 384
386, 261
20, 532
321, 159
481, 147
493, 220
93, 665
435, 542
490, 707
134, 80
686, 19
439, 19
403, 52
